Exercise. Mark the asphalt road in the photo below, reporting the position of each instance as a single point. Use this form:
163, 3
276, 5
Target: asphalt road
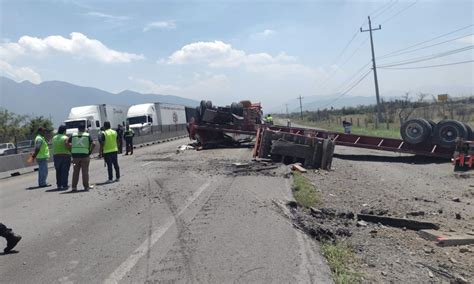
172, 218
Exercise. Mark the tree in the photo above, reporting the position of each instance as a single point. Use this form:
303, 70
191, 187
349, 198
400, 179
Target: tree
38, 122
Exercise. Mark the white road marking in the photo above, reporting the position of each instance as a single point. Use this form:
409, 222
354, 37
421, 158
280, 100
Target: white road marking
148, 163
142, 250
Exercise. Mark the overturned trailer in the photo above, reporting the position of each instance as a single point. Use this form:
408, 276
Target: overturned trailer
228, 126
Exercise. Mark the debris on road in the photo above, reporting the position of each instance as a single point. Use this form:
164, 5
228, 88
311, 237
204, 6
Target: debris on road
299, 168
287, 147
447, 238
397, 222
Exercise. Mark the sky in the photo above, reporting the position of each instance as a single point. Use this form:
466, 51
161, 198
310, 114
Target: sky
225, 51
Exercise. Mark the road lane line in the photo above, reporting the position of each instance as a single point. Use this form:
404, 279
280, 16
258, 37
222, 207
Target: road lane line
142, 250
146, 164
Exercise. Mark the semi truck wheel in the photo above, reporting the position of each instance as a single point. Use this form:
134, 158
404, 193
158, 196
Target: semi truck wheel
447, 130
416, 131
469, 131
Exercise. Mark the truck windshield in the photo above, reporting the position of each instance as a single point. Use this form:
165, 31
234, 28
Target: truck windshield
3, 146
136, 120
75, 124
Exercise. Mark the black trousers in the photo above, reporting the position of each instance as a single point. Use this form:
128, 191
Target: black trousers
4, 230
129, 146
120, 145
62, 164
112, 160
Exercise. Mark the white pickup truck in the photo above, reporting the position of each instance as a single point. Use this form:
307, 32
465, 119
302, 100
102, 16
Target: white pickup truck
4, 147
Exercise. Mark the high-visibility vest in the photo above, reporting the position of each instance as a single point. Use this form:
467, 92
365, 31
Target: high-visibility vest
128, 133
270, 119
59, 144
80, 143
110, 144
44, 150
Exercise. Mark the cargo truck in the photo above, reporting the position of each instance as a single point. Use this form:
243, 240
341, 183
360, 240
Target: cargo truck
94, 116
145, 117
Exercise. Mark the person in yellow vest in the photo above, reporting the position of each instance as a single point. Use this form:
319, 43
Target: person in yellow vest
128, 135
61, 158
41, 155
81, 146
109, 150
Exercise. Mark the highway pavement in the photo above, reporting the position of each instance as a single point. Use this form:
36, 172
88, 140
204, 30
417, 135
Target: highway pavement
173, 218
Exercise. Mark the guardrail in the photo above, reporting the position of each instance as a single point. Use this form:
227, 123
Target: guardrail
15, 162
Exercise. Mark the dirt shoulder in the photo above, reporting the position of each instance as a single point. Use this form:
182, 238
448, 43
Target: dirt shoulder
399, 185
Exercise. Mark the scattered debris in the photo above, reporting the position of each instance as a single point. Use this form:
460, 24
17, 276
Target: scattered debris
416, 213
255, 169
241, 165
397, 222
458, 216
456, 199
447, 238
362, 223
298, 167
183, 148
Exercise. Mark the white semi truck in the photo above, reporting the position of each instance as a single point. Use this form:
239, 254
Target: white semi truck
94, 116
145, 116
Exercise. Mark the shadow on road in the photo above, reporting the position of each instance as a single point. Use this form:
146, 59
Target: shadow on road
11, 252
78, 191
36, 187
55, 190
418, 160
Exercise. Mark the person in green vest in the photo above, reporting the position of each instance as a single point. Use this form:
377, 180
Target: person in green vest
41, 155
81, 146
61, 158
128, 135
109, 150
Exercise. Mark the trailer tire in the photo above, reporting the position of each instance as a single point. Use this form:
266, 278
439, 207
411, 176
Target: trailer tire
416, 131
469, 131
447, 130
237, 108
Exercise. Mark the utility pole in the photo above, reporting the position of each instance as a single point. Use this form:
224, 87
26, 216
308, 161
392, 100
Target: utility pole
287, 114
374, 67
301, 107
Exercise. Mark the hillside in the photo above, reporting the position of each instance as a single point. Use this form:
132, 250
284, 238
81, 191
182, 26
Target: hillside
56, 98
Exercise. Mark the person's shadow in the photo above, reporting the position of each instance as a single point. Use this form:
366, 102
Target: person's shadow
10, 252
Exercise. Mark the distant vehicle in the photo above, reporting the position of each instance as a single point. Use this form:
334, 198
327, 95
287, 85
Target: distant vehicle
144, 116
94, 116
25, 146
6, 148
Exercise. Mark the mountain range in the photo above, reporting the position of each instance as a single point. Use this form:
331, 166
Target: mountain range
54, 99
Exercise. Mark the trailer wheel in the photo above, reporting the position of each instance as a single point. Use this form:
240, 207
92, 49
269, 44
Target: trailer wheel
446, 132
469, 131
432, 123
237, 108
416, 131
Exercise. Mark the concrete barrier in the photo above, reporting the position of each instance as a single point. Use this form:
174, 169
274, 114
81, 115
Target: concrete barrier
12, 163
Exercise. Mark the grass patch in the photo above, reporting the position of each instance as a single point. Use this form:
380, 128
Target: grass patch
339, 256
304, 191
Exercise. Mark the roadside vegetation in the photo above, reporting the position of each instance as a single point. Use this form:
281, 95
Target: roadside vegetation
20, 127
304, 191
339, 256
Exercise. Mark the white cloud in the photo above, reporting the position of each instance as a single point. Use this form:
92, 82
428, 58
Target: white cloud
19, 73
265, 34
220, 54
107, 16
467, 39
78, 45
161, 25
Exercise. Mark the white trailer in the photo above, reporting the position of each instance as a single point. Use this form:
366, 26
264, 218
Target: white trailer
145, 116
92, 117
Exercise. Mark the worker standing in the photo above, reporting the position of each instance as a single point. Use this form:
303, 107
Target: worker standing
129, 134
109, 149
61, 157
10, 236
81, 146
120, 138
41, 155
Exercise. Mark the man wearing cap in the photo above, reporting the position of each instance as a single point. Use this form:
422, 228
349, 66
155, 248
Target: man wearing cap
81, 146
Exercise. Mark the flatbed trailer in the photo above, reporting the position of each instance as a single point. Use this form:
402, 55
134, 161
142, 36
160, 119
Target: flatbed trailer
362, 141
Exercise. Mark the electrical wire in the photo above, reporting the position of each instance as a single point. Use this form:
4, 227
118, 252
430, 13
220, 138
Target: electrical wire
399, 12
426, 41
385, 10
381, 7
428, 46
348, 90
429, 57
428, 66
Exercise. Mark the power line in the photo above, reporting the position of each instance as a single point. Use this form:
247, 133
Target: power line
426, 41
348, 90
385, 10
429, 57
380, 8
429, 66
424, 47
399, 12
